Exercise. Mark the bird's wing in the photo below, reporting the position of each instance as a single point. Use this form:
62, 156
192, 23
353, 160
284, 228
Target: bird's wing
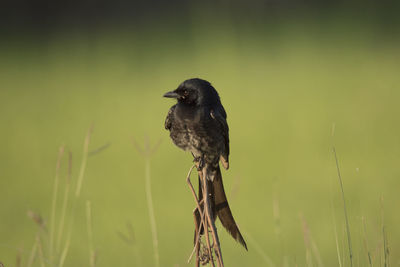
169, 118
220, 116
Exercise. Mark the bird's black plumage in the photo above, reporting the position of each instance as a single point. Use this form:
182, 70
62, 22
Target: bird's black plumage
197, 123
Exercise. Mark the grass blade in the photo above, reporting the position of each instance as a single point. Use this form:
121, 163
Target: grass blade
92, 253
147, 152
84, 159
54, 203
65, 202
257, 247
345, 210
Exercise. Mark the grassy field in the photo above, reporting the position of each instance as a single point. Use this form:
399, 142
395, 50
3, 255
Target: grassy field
291, 95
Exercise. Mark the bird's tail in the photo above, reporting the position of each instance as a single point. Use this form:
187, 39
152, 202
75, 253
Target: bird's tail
220, 207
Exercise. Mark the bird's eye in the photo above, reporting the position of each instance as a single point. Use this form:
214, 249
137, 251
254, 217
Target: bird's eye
186, 93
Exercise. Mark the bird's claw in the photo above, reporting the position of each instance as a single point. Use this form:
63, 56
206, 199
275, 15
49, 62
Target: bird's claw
199, 162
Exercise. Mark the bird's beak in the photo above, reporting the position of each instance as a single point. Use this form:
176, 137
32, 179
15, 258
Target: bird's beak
171, 94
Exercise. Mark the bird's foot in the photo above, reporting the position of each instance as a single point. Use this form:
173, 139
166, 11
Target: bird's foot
199, 161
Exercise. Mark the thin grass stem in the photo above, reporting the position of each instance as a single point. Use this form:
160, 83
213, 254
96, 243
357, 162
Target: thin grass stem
260, 251
336, 237
84, 160
40, 250
54, 204
152, 216
77, 194
92, 253
65, 250
32, 255
65, 204
384, 238
366, 241
345, 210
147, 152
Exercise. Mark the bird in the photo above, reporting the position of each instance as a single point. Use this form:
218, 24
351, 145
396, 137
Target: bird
198, 123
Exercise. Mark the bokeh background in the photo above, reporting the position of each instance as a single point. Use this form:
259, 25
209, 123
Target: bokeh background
297, 78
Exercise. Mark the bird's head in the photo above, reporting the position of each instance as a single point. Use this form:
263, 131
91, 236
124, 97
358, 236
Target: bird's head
195, 92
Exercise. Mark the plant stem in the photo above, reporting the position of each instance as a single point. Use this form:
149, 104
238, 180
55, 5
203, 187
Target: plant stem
345, 209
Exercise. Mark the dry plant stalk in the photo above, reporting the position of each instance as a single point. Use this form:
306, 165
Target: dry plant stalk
130, 239
384, 237
311, 246
55, 254
18, 260
32, 255
306, 236
40, 249
204, 254
92, 252
82, 169
37, 218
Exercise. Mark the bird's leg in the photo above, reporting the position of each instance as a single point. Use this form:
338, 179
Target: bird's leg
199, 161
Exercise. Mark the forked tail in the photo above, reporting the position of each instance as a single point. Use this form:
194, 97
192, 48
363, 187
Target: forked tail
220, 207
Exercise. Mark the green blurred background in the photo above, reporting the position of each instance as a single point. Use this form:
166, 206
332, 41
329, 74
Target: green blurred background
295, 78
